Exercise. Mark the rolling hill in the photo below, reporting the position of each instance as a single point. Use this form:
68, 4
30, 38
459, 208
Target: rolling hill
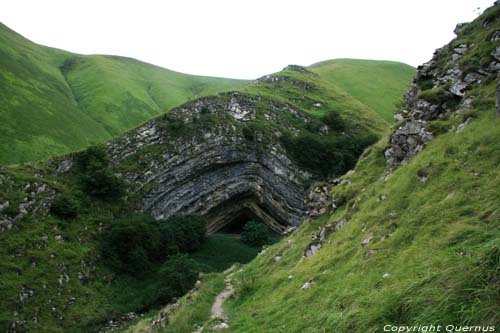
379, 84
54, 102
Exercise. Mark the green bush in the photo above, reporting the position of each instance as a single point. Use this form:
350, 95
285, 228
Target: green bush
181, 233
437, 127
248, 133
65, 206
334, 121
129, 244
436, 95
255, 234
326, 156
96, 178
134, 244
12, 210
177, 276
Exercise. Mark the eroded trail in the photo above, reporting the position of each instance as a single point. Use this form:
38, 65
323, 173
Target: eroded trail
217, 311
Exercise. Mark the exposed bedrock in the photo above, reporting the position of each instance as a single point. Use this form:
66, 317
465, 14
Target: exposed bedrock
214, 171
438, 93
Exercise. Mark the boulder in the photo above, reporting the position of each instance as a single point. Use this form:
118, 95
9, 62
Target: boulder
458, 28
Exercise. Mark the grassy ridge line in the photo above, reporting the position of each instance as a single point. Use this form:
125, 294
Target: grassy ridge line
54, 102
378, 84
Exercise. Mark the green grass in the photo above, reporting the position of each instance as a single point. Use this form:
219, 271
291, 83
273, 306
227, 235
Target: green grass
439, 241
378, 84
55, 102
220, 251
193, 310
433, 255
107, 294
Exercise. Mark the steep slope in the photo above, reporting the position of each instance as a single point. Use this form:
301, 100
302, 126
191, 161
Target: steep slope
230, 157
410, 238
54, 101
378, 84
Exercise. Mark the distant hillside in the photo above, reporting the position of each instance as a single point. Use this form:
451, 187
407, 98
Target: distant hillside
378, 84
54, 102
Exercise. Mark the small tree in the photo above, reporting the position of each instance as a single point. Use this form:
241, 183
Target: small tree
130, 244
255, 234
96, 178
177, 276
65, 206
182, 233
334, 121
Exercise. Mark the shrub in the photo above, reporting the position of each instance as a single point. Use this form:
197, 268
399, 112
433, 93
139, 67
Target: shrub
248, 133
436, 95
96, 178
177, 276
65, 206
91, 158
12, 210
181, 233
133, 244
255, 234
130, 244
334, 121
438, 127
326, 156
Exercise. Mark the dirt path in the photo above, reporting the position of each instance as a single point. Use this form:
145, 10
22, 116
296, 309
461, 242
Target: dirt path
217, 310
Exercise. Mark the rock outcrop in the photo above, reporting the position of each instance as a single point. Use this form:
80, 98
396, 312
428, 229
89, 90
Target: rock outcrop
216, 171
33, 197
439, 90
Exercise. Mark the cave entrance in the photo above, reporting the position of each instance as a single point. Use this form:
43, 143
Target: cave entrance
232, 216
239, 221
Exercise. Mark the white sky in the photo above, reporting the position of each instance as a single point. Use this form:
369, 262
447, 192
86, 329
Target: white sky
242, 38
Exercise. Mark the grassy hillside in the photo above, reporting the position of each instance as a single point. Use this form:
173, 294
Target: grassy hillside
408, 246
378, 84
428, 252
51, 262
316, 96
416, 257
54, 102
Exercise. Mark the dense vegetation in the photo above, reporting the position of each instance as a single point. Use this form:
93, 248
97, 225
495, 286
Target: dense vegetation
326, 156
255, 234
95, 177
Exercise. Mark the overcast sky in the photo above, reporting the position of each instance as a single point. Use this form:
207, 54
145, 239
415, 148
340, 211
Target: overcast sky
240, 38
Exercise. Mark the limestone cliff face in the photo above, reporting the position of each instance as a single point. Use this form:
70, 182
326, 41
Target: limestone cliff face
440, 88
212, 168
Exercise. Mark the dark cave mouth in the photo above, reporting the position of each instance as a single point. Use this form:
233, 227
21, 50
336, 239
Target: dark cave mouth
233, 215
239, 221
